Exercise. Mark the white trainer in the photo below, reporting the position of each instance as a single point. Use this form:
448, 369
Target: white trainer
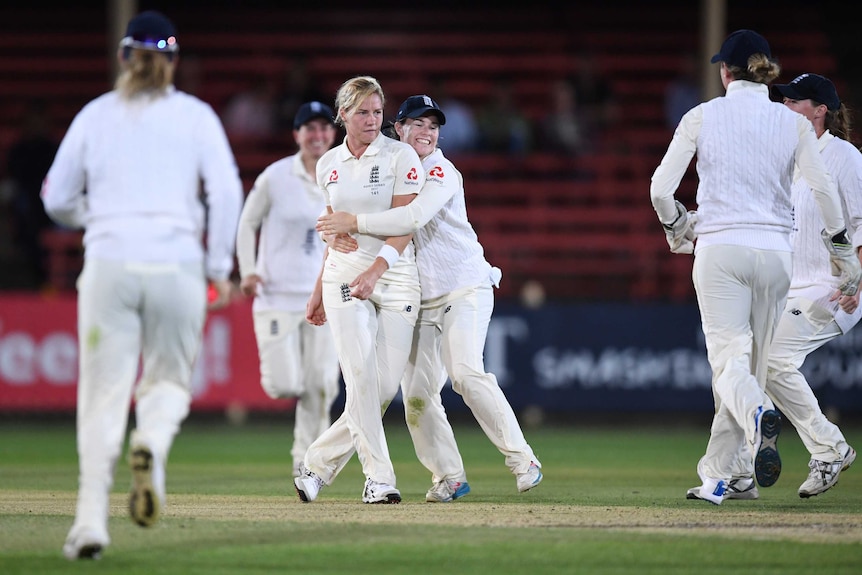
308, 484
712, 490
144, 501
84, 542
739, 488
530, 478
380, 493
822, 476
447, 490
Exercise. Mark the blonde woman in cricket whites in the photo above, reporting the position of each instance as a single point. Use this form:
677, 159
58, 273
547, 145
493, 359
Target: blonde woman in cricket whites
370, 297
129, 172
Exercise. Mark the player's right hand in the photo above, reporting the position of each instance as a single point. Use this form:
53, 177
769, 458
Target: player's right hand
342, 243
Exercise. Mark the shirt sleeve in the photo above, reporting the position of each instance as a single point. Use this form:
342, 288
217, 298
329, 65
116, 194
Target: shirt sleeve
407, 219
256, 207
816, 175
667, 176
409, 174
63, 189
223, 193
849, 182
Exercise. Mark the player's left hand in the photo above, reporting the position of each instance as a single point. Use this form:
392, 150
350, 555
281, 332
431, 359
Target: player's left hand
342, 243
337, 223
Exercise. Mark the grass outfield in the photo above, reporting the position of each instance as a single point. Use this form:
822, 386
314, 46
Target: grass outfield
612, 501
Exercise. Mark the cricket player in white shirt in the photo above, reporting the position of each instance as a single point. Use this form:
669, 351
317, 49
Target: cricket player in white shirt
370, 296
746, 148
457, 302
816, 310
297, 359
129, 171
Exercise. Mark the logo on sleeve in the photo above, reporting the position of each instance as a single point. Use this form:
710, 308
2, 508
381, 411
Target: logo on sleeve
412, 175
436, 172
333, 176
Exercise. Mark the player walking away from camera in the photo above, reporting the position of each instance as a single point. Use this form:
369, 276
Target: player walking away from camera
141, 152
746, 147
457, 302
816, 312
297, 359
370, 296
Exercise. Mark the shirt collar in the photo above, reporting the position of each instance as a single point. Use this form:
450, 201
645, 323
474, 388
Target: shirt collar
745, 86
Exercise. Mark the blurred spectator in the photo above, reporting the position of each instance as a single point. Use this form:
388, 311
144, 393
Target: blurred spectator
298, 86
503, 126
683, 92
595, 95
564, 128
460, 133
251, 114
28, 161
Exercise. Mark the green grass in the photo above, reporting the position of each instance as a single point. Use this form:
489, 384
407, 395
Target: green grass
612, 502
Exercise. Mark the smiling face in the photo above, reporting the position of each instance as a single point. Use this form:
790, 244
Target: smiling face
315, 137
421, 133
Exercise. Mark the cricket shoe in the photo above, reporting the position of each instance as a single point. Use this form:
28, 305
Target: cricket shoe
447, 490
739, 488
380, 493
84, 542
823, 475
767, 462
308, 484
144, 502
530, 478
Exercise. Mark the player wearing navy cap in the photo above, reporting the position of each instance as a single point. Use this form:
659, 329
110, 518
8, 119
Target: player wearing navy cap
296, 359
746, 148
129, 171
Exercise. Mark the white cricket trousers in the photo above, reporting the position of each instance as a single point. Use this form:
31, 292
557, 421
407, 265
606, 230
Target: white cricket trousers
298, 360
453, 328
741, 293
129, 313
372, 339
803, 328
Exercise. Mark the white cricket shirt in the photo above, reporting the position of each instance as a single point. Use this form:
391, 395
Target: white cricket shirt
812, 277
448, 251
130, 173
367, 184
283, 205
746, 148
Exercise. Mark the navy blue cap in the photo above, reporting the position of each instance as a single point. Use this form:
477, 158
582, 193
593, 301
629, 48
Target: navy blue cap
418, 106
310, 111
740, 46
811, 87
151, 30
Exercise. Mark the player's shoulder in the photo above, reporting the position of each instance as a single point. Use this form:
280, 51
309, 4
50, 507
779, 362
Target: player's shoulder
281, 167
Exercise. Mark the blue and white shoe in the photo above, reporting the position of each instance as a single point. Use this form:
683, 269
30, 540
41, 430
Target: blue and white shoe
767, 462
530, 478
447, 490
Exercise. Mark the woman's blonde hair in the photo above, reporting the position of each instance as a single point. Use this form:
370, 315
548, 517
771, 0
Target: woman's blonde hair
760, 69
353, 92
145, 71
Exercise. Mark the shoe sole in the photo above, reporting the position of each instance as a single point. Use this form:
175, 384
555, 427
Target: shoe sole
391, 499
301, 492
767, 464
143, 502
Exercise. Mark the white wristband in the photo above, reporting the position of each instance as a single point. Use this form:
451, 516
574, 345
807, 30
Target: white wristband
389, 254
